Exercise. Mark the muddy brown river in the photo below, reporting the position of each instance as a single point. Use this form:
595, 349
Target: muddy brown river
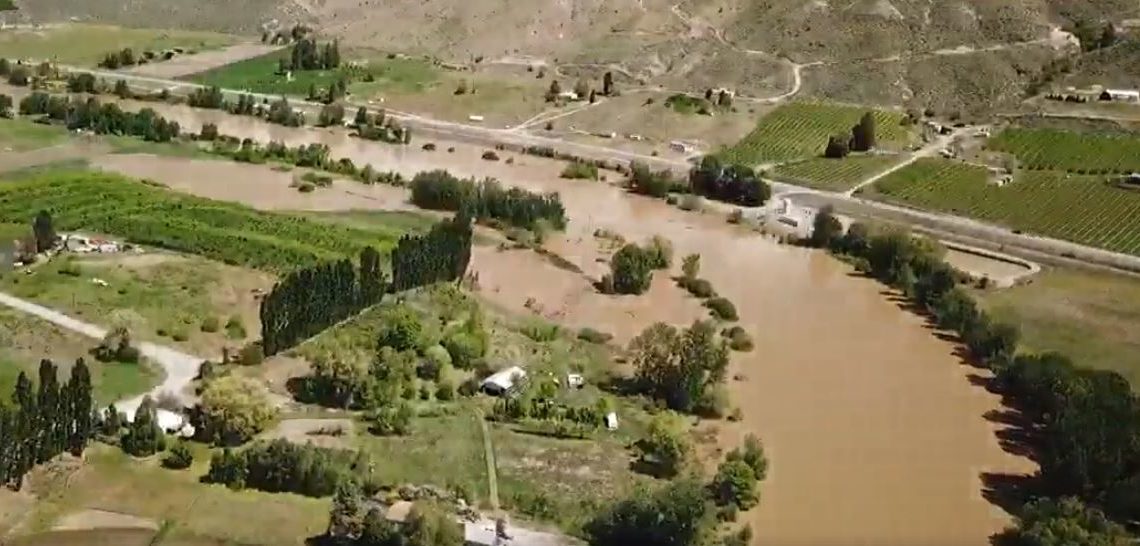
874, 432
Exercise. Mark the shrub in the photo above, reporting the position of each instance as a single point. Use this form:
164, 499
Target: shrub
540, 330
736, 216
465, 349
429, 147
445, 391
180, 457
306, 187
210, 325
235, 329
593, 336
738, 339
581, 170
233, 410
692, 202
490, 155
700, 288
179, 335
251, 354
660, 252
401, 330
392, 420
631, 270
721, 308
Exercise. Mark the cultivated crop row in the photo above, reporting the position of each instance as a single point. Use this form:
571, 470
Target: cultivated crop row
1051, 149
833, 174
800, 130
144, 214
1086, 209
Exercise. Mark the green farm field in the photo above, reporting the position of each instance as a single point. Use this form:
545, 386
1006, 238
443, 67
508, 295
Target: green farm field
86, 44
259, 75
1084, 209
1052, 149
800, 130
833, 174
152, 215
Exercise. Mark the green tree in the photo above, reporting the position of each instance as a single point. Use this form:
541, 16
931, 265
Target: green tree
826, 229
631, 270
81, 406
863, 134
392, 420
180, 457
554, 91
581, 88
347, 516
361, 117
401, 329
837, 147
680, 367
752, 454
1066, 522
122, 90
233, 409
43, 229
338, 382
50, 416
666, 447
735, 484
608, 83
5, 106
144, 437
660, 252
674, 515
430, 525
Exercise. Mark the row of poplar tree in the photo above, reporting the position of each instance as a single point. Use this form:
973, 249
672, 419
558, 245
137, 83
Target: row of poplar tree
43, 422
310, 300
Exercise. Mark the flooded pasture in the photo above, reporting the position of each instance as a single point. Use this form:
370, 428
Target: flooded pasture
874, 431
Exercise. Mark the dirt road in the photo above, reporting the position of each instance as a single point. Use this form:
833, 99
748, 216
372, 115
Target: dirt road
180, 368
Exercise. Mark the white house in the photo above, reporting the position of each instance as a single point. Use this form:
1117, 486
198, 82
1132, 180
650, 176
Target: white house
1125, 95
503, 381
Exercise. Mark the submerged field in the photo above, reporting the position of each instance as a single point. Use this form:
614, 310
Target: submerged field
86, 44
800, 130
1085, 209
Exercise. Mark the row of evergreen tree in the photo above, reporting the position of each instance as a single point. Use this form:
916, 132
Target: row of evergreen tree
102, 118
309, 300
43, 422
307, 54
487, 200
439, 255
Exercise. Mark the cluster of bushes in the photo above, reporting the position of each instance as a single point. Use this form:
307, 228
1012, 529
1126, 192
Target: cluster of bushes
309, 300
720, 307
738, 338
734, 485
107, 118
538, 400
45, 420
736, 184
354, 522
487, 200
683, 368
632, 266
577, 169
379, 127
116, 346
1084, 422
281, 466
645, 181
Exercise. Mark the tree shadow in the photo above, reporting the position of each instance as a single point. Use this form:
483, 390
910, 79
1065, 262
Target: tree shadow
1009, 491
620, 385
1018, 436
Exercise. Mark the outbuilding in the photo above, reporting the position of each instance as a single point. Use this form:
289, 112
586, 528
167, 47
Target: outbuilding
1125, 95
503, 381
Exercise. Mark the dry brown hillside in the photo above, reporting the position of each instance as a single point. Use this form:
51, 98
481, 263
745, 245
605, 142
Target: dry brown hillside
948, 54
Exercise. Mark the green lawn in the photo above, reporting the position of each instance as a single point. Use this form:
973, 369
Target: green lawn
25, 340
1092, 317
21, 136
86, 45
397, 76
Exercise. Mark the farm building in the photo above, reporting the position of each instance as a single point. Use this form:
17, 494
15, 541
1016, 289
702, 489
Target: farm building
1125, 95
503, 381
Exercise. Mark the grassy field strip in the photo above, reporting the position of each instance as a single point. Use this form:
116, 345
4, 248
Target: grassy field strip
87, 44
800, 130
489, 455
1084, 209
834, 174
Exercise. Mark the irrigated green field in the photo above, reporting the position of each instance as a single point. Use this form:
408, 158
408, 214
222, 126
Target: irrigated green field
260, 75
1054, 149
1084, 209
147, 214
800, 130
834, 174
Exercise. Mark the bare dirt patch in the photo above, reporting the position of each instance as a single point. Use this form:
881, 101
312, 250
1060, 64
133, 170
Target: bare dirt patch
330, 433
185, 65
102, 519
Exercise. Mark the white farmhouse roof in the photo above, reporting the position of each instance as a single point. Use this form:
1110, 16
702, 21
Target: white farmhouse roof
503, 380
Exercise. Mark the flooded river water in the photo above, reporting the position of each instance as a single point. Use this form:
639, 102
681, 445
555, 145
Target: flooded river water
874, 432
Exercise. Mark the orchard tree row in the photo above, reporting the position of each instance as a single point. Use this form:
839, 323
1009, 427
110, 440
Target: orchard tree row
45, 420
101, 118
309, 300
